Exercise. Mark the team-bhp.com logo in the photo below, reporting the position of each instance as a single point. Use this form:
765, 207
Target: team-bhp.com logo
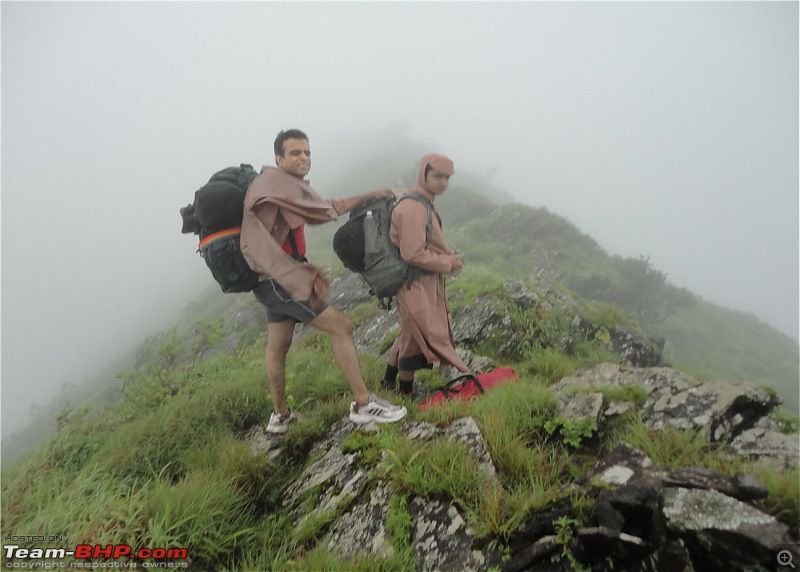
87, 556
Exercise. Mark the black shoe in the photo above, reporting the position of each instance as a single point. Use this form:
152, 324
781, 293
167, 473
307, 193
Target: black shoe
387, 385
406, 388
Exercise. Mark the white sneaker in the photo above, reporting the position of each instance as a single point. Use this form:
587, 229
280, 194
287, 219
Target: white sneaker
376, 409
280, 423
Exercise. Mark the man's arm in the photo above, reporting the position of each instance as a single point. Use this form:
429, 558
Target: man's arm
342, 206
301, 280
409, 220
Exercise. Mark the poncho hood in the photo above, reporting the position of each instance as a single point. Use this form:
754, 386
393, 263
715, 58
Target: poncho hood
441, 163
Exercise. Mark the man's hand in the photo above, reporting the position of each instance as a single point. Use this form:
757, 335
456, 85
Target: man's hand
316, 301
384, 194
458, 264
319, 287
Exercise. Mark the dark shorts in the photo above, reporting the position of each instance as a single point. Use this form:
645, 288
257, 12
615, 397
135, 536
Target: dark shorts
282, 307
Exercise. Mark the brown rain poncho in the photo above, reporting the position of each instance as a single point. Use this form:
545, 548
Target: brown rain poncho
426, 334
275, 203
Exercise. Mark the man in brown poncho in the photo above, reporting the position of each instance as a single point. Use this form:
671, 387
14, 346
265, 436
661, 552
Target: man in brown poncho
277, 206
426, 335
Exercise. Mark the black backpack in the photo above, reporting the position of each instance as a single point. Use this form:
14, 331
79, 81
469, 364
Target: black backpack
364, 247
216, 216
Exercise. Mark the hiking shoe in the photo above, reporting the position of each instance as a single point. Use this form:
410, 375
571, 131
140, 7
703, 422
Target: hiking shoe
406, 388
387, 385
376, 409
280, 423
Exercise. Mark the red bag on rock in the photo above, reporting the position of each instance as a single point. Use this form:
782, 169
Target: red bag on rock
470, 386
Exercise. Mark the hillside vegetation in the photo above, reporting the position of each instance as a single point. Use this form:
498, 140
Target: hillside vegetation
510, 240
168, 463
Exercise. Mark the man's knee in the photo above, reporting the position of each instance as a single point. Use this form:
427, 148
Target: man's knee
278, 350
342, 326
278, 347
334, 323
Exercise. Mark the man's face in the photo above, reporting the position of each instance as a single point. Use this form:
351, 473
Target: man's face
436, 182
296, 159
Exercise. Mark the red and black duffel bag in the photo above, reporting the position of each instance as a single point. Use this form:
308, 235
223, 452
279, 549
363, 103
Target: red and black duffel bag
470, 386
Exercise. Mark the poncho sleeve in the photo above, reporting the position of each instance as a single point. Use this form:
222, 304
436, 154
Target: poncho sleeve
274, 203
299, 279
409, 219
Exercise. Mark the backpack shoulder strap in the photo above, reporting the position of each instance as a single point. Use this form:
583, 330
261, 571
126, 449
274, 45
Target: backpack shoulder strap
420, 198
414, 272
295, 251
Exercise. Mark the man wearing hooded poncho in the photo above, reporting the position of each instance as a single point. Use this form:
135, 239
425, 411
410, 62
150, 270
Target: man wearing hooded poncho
426, 334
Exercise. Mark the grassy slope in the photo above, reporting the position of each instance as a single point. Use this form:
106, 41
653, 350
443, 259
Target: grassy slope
517, 241
713, 342
168, 466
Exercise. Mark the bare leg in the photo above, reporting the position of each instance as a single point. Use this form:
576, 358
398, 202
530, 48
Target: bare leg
340, 330
279, 340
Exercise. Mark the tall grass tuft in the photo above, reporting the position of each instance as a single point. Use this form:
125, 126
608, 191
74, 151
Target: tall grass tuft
168, 465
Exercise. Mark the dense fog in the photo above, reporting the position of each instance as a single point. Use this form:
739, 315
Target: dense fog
667, 130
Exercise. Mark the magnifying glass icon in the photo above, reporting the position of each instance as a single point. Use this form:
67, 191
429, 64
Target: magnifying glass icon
785, 558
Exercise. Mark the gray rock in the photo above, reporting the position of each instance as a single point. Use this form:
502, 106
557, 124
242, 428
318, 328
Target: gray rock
578, 405
516, 291
420, 431
742, 536
476, 363
635, 350
476, 323
620, 466
724, 408
608, 376
265, 443
538, 551
333, 438
767, 444
337, 475
741, 487
443, 541
684, 520
467, 432
673, 556
639, 505
369, 336
348, 292
604, 541
363, 528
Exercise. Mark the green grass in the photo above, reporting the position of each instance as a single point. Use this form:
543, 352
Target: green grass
680, 448
167, 465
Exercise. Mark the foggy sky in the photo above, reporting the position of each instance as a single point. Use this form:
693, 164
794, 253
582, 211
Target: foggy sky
667, 130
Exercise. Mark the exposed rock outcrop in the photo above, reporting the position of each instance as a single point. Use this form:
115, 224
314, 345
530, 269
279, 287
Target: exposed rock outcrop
647, 517
644, 516
441, 538
731, 412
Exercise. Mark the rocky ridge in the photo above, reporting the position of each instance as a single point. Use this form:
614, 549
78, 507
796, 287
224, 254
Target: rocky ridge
648, 517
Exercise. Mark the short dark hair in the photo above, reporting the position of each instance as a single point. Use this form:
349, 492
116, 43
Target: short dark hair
287, 134
428, 168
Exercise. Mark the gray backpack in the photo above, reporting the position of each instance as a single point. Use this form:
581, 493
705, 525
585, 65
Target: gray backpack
364, 247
